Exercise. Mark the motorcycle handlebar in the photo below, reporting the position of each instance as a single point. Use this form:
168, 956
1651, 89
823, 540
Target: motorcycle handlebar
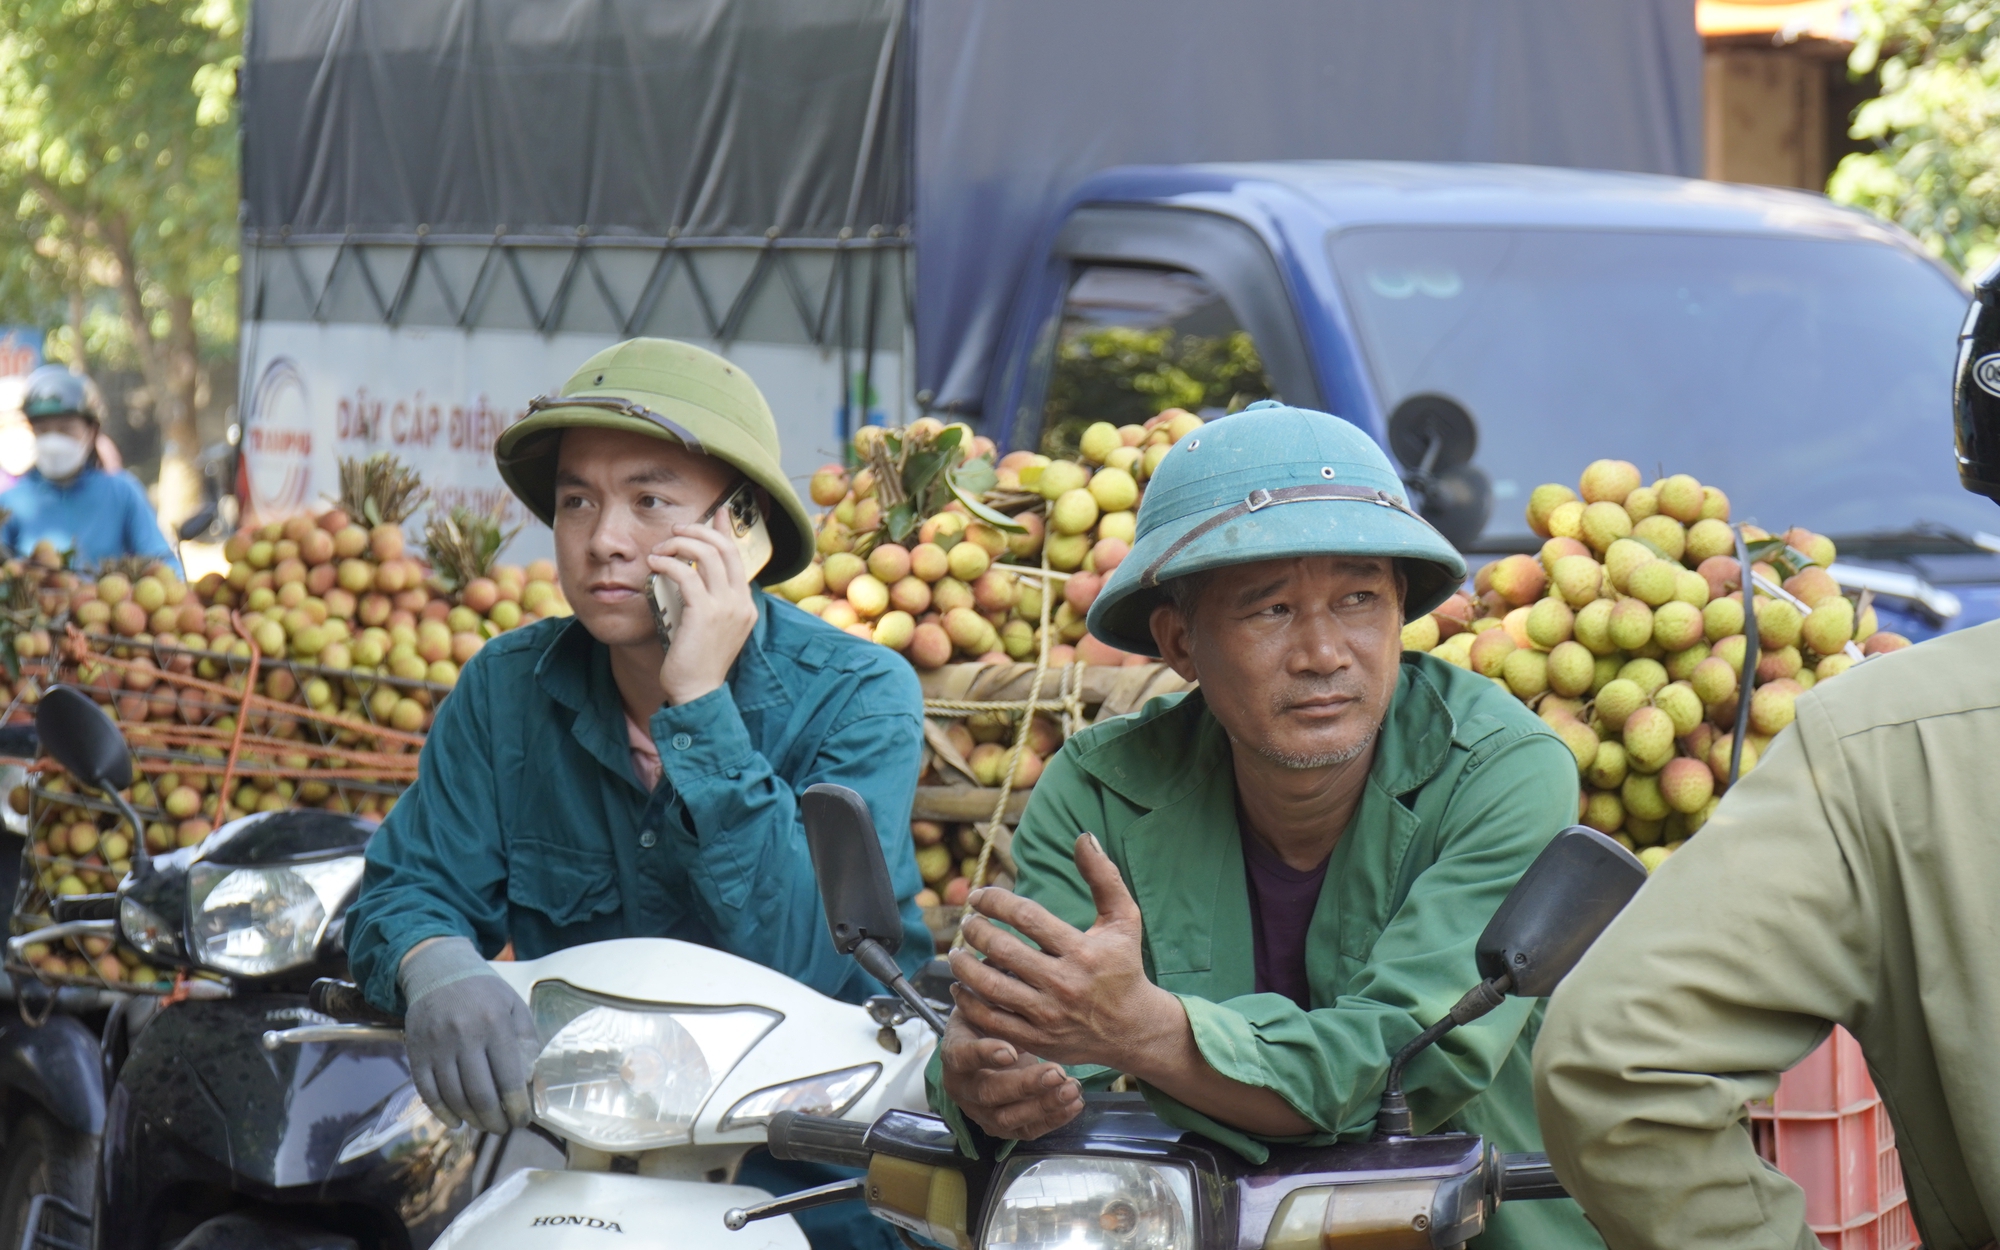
818, 1139
344, 1002
1527, 1176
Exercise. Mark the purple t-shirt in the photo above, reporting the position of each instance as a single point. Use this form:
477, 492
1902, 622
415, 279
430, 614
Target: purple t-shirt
1282, 900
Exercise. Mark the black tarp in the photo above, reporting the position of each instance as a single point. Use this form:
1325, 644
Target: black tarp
628, 117
804, 117
1018, 101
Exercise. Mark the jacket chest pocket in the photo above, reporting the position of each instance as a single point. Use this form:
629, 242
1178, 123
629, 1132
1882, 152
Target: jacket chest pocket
566, 884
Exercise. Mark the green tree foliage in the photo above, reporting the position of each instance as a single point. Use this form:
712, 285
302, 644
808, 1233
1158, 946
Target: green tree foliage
1936, 125
118, 189
1124, 376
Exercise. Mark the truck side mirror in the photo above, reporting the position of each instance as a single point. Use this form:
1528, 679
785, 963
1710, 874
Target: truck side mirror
1435, 437
853, 877
1568, 896
84, 740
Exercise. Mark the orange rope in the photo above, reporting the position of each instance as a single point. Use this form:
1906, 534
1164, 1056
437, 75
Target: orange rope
242, 716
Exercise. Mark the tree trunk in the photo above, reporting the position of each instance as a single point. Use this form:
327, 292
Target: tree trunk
171, 376
180, 442
81, 360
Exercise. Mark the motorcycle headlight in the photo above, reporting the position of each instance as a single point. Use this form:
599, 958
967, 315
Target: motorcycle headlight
256, 921
829, 1093
1075, 1202
149, 932
621, 1077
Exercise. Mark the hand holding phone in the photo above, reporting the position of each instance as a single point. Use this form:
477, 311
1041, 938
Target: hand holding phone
703, 597
753, 546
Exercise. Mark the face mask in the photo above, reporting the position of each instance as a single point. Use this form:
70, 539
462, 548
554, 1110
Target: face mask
58, 455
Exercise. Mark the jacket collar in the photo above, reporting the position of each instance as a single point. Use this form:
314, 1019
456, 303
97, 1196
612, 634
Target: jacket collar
1170, 755
575, 669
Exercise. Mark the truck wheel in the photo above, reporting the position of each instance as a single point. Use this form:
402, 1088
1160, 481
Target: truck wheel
43, 1157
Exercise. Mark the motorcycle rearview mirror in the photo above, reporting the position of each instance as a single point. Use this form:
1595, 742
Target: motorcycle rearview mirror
197, 525
87, 743
1569, 895
861, 911
1566, 898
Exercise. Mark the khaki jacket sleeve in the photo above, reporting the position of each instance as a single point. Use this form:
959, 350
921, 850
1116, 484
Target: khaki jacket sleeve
1722, 973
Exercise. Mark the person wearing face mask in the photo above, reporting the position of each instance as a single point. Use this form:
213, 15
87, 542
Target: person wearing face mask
69, 499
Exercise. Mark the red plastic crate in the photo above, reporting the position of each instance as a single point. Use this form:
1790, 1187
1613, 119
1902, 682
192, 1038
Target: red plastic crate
1827, 1129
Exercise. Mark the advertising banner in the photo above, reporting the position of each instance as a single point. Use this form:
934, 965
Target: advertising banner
20, 350
439, 398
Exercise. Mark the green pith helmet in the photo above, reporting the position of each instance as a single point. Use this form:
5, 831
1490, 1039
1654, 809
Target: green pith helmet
675, 392
1268, 483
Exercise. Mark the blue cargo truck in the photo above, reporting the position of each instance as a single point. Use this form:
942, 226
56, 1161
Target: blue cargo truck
1797, 353
1477, 238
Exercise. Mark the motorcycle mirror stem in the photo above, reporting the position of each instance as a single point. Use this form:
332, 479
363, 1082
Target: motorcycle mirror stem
1566, 898
861, 912
87, 743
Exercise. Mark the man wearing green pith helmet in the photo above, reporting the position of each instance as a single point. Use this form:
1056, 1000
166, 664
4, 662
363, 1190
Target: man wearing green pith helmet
1248, 897
585, 782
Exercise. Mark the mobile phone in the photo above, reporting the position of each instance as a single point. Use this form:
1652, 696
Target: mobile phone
753, 545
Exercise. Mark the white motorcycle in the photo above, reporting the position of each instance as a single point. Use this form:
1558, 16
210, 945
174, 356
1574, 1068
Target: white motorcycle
663, 1062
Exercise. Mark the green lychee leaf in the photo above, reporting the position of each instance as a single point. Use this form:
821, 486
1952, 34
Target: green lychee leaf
921, 471
1789, 561
901, 522
1651, 546
992, 516
975, 477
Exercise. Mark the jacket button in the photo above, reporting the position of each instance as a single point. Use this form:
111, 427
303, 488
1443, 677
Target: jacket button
649, 839
683, 741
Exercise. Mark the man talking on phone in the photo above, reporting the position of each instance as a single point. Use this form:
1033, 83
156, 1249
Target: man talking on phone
618, 774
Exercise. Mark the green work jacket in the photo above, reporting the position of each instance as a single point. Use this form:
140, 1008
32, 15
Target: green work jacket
1466, 787
527, 823
1852, 879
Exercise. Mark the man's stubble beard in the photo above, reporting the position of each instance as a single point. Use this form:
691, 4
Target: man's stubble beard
1299, 762
1303, 762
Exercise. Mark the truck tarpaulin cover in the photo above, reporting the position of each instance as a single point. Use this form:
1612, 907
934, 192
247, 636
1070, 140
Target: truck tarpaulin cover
804, 117
1018, 101
625, 117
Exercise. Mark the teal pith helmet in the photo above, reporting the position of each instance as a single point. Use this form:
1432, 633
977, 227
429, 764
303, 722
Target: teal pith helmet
1268, 483
675, 392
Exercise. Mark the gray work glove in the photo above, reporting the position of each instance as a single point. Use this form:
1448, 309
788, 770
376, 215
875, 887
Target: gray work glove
471, 1039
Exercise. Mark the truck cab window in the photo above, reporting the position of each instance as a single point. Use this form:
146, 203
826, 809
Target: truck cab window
1135, 340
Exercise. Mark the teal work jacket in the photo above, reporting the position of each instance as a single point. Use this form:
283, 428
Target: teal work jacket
527, 824
1466, 787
